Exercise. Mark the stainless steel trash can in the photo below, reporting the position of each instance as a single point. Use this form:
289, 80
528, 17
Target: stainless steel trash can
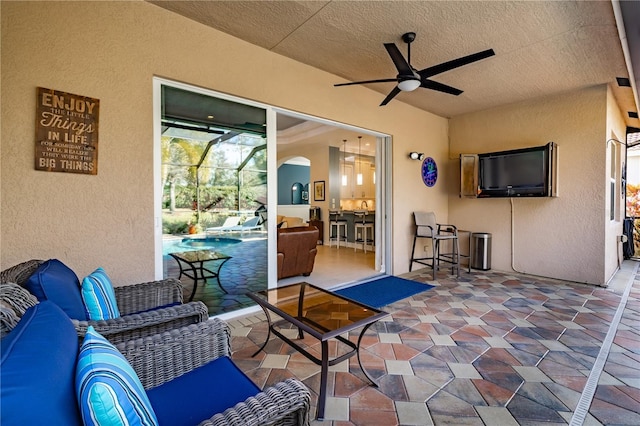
480, 251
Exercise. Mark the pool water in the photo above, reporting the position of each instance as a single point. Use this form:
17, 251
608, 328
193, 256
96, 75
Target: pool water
187, 244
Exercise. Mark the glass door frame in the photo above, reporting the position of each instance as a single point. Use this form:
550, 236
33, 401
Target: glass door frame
383, 176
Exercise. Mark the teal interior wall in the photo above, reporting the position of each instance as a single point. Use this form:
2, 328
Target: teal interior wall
288, 174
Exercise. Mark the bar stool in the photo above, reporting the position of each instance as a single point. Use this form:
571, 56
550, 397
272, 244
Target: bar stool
362, 229
339, 225
426, 227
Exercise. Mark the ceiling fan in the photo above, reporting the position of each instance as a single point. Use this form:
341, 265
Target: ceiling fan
410, 79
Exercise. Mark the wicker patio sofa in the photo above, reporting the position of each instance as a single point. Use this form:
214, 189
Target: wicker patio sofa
187, 377
145, 308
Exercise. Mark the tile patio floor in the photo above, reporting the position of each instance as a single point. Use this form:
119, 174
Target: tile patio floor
488, 348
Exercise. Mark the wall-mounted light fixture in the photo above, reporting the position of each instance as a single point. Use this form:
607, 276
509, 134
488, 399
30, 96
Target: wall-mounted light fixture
416, 156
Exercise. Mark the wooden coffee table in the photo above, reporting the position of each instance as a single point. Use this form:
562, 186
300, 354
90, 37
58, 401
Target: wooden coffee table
195, 266
322, 314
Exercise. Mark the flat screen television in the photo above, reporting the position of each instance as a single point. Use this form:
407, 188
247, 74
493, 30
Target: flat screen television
528, 172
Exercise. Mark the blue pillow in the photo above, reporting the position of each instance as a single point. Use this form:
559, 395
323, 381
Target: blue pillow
53, 280
108, 389
99, 297
37, 371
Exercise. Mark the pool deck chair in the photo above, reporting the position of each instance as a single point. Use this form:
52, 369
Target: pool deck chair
228, 224
426, 227
248, 225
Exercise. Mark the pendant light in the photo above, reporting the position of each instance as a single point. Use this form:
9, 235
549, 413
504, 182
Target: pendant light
359, 176
344, 160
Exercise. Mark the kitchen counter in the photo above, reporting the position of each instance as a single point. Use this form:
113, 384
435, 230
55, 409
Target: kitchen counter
369, 212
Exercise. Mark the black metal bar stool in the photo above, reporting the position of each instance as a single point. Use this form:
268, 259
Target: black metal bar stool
363, 230
337, 228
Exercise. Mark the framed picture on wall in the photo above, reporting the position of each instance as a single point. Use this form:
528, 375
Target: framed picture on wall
318, 190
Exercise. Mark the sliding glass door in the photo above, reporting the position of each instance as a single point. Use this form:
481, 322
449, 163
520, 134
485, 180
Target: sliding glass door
212, 195
215, 190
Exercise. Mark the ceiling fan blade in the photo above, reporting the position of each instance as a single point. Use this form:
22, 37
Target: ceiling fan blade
447, 66
398, 60
434, 85
390, 96
383, 80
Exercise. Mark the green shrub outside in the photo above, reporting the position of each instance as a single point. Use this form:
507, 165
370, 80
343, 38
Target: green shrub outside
214, 203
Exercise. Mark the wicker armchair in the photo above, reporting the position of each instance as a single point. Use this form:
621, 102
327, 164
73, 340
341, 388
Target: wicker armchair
139, 307
162, 358
14, 301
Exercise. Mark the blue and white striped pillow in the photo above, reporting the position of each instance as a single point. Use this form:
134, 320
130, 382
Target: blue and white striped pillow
108, 389
99, 297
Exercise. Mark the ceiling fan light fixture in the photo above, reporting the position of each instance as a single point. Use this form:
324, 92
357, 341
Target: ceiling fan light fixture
409, 85
409, 78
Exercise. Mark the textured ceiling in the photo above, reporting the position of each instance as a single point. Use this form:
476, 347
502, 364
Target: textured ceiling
542, 47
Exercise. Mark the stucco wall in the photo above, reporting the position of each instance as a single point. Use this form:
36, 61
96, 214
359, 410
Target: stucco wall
561, 237
111, 51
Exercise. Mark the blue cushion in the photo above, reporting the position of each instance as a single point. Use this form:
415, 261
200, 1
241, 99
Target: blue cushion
37, 370
99, 297
108, 389
201, 393
54, 281
168, 305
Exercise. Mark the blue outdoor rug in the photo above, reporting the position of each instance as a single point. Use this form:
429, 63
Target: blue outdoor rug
383, 291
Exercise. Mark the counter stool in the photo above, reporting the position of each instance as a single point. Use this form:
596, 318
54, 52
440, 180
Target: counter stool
339, 225
426, 227
362, 229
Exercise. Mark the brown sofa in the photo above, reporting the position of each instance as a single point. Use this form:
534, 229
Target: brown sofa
296, 251
290, 221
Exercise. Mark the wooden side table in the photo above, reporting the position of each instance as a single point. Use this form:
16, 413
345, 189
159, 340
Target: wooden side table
320, 225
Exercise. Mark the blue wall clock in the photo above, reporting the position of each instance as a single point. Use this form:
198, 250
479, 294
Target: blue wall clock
429, 171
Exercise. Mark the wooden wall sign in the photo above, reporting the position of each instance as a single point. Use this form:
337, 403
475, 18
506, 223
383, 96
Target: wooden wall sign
66, 132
